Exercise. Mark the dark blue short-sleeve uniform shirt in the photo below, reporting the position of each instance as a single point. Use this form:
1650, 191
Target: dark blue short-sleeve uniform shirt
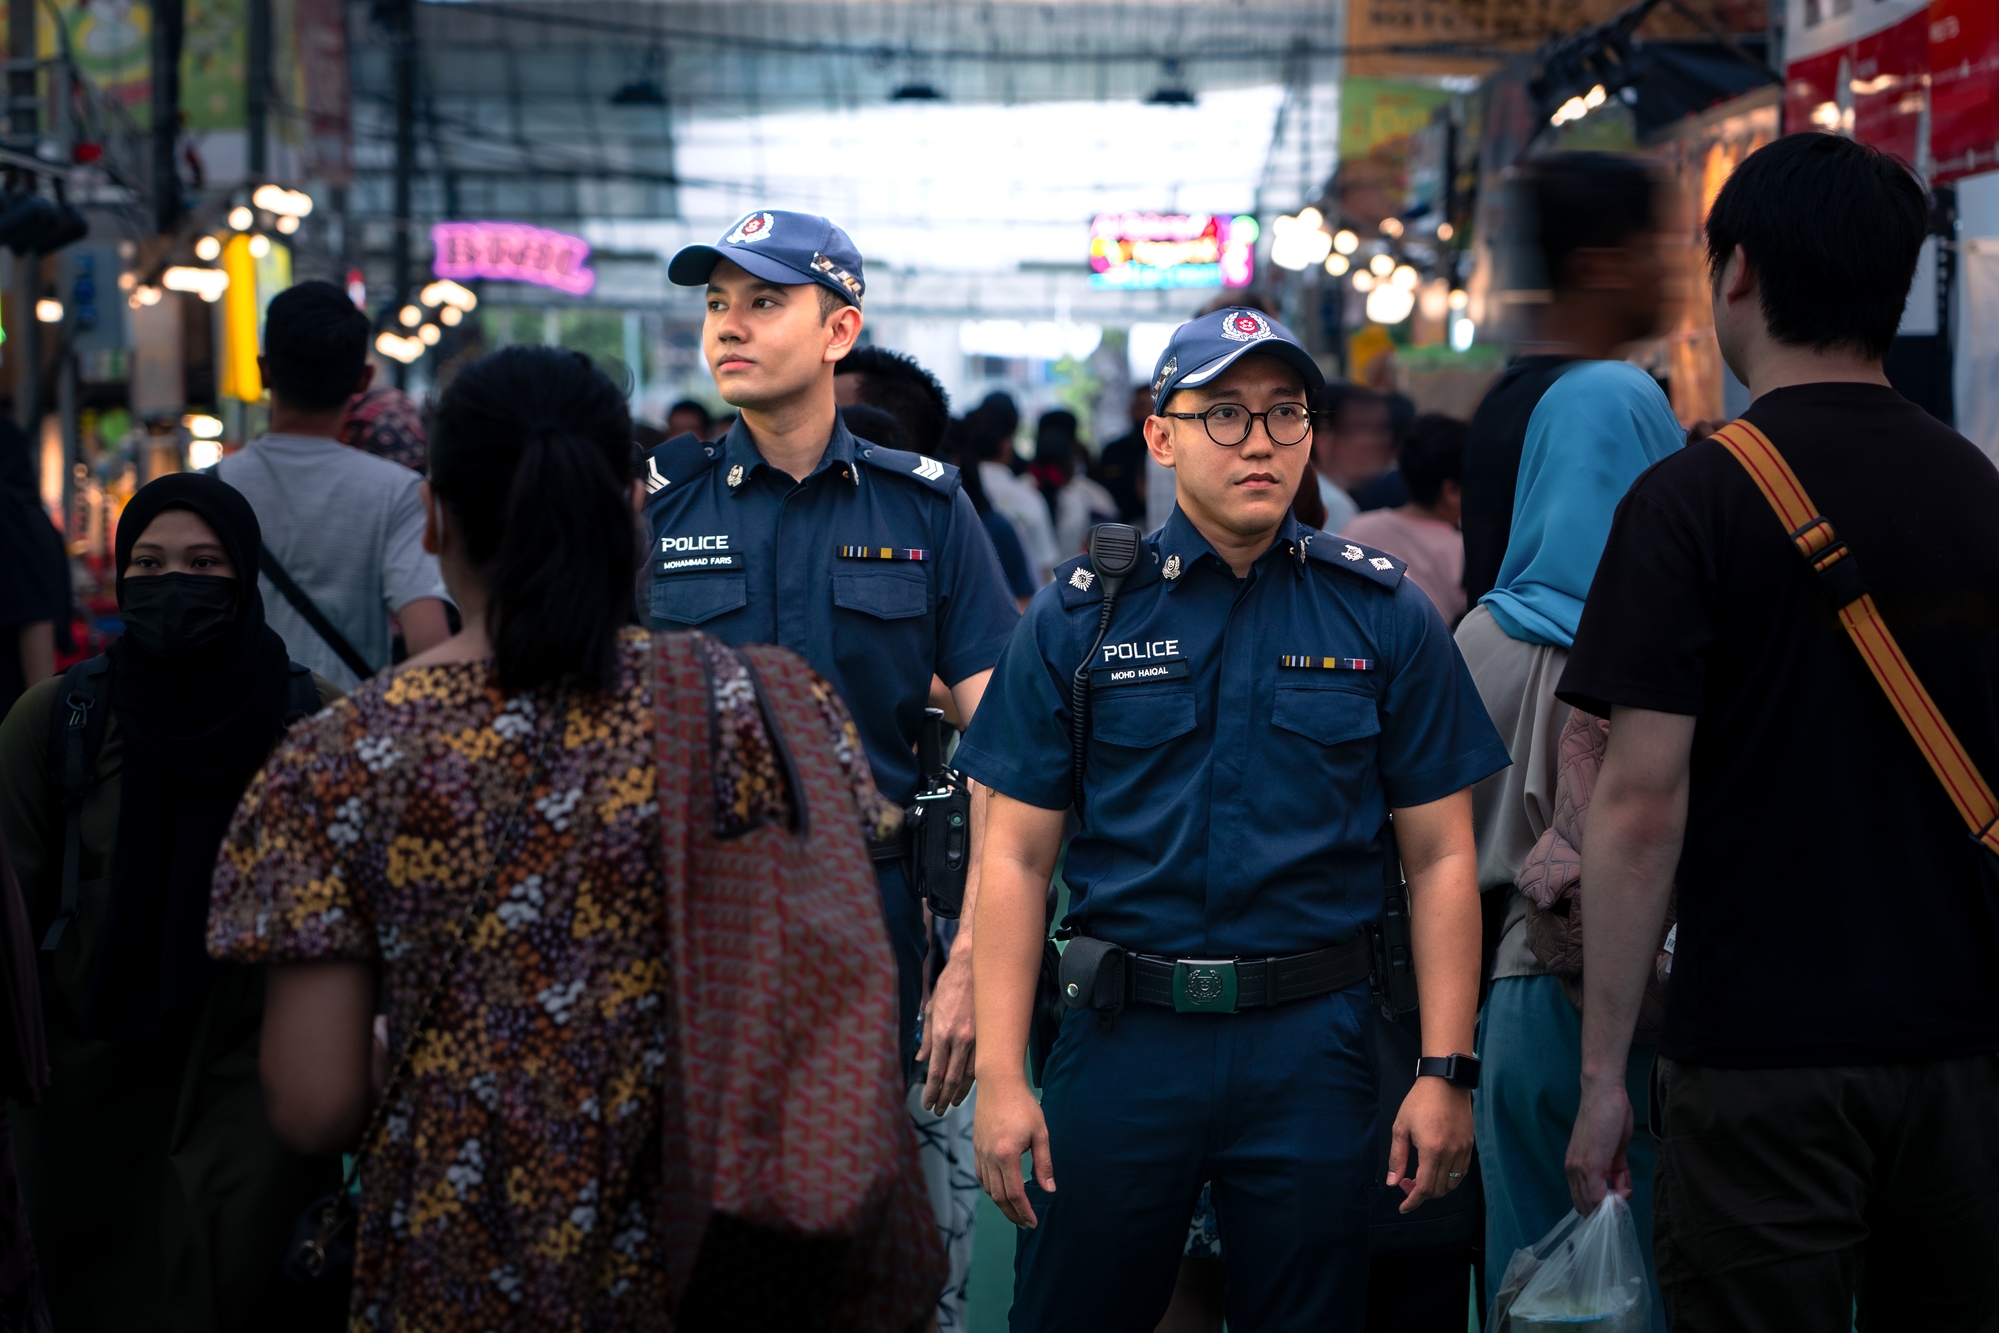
875, 569
1246, 739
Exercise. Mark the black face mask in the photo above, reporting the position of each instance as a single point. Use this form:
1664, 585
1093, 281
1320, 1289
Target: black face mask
171, 615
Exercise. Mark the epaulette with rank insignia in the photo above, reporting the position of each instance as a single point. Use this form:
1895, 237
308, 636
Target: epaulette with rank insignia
939, 476
1363, 561
677, 462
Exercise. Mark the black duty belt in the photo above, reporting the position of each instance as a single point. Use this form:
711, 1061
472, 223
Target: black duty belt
1224, 985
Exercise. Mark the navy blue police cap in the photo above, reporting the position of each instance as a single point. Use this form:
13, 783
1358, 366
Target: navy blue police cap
787, 248
1203, 348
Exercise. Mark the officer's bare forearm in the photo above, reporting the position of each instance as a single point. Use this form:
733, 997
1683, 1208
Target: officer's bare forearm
1631, 848
965, 697
1440, 859
1021, 844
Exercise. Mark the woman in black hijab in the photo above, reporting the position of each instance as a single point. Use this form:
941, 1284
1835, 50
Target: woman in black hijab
157, 1193
34, 574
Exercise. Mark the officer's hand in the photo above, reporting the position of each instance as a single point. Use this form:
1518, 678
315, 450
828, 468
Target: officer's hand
1008, 1123
1435, 1120
1597, 1146
947, 1036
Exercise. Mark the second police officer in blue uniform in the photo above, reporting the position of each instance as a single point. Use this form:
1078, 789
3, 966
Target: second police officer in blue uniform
869, 562
1259, 698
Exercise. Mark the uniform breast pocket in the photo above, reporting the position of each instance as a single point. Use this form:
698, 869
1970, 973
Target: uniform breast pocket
1141, 718
1330, 716
883, 594
690, 599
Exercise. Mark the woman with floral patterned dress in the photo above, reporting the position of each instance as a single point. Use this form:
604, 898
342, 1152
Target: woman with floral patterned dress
533, 1167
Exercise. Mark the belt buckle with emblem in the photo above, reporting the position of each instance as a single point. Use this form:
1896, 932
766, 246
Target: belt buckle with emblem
1204, 986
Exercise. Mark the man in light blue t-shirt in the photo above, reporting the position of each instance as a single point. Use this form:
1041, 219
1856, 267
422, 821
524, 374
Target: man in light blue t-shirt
1592, 424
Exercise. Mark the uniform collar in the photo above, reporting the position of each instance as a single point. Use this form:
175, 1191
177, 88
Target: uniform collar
1180, 541
740, 451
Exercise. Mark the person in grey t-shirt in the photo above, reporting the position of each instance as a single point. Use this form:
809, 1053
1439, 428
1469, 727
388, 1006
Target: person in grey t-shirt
345, 525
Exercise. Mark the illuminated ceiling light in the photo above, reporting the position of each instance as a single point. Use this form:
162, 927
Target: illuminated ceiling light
1298, 242
1445, 231
240, 218
143, 296
1594, 98
428, 335
1434, 300
287, 224
207, 283
1389, 304
1573, 109
127, 281
451, 315
1826, 115
48, 312
204, 453
286, 203
1404, 277
1460, 299
392, 344
1345, 241
208, 248
1337, 265
202, 426
410, 316
446, 292
1391, 226
260, 245
1381, 265
1363, 281
1461, 335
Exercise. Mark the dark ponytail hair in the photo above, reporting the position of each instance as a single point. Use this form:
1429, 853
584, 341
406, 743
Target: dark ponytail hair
531, 449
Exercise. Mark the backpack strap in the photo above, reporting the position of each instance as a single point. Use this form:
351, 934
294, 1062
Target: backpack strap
303, 699
77, 727
1839, 574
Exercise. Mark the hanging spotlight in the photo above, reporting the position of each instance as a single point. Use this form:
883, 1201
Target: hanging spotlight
1390, 304
287, 224
410, 316
1391, 226
202, 426
1337, 265
1405, 278
1363, 281
208, 248
405, 350
207, 283
1172, 90
260, 245
1460, 298
1445, 231
1345, 241
446, 292
48, 312
451, 315
286, 203
240, 218
1381, 265
428, 335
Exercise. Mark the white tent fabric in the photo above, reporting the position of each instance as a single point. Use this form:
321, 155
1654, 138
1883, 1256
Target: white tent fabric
1976, 386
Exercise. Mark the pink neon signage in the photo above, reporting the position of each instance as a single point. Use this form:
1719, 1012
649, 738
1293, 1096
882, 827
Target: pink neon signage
512, 252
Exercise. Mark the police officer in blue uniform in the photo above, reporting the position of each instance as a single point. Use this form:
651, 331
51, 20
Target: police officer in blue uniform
1259, 698
869, 562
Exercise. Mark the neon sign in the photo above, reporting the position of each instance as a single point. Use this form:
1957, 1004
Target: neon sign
1130, 251
512, 252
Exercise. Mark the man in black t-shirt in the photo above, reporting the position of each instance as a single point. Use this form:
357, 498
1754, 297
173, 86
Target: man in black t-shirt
1827, 1088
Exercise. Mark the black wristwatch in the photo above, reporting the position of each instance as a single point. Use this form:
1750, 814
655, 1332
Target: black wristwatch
1460, 1071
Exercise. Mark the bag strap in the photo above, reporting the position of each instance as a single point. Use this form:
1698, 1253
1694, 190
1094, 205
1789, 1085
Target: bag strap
1838, 572
285, 584
79, 736
474, 914
303, 698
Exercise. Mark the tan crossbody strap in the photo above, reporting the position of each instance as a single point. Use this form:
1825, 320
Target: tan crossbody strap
1838, 572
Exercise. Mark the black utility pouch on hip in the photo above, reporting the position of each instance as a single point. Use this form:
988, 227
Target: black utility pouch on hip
1092, 975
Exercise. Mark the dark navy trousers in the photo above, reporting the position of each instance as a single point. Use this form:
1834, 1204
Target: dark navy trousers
1276, 1106
902, 914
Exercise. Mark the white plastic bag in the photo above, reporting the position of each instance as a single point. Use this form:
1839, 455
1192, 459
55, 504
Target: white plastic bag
1585, 1276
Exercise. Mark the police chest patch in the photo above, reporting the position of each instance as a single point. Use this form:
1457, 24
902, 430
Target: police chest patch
708, 563
1142, 673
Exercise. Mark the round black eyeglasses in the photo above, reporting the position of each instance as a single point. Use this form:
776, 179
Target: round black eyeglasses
1228, 424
